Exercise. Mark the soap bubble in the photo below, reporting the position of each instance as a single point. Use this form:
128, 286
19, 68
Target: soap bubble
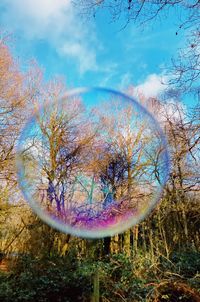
93, 163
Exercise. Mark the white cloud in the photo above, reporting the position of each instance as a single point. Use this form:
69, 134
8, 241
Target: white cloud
125, 80
38, 9
56, 22
148, 93
109, 71
153, 86
86, 59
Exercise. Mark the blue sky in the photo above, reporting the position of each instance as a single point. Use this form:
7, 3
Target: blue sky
93, 52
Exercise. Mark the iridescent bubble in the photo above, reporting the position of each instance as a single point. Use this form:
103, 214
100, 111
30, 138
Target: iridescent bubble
92, 163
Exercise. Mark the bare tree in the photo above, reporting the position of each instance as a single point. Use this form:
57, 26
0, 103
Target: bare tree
141, 11
182, 190
55, 152
186, 64
17, 91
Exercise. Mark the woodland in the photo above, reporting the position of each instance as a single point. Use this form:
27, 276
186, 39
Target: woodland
157, 260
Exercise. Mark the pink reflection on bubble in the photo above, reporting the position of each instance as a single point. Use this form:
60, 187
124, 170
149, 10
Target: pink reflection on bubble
113, 215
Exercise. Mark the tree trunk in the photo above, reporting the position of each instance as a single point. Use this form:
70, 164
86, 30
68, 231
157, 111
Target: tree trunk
95, 296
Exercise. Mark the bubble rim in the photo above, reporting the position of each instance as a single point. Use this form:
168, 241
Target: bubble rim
124, 225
